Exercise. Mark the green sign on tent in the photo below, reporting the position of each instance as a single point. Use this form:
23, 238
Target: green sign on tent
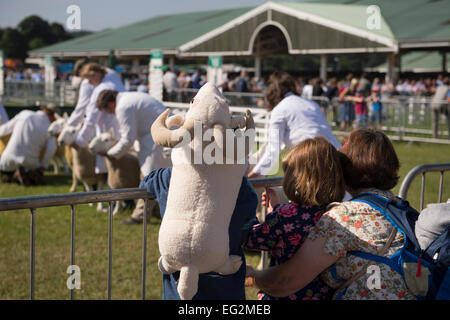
215, 61
156, 54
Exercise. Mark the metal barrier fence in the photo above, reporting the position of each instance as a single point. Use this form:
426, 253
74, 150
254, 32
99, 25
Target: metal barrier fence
72, 199
405, 118
422, 170
28, 93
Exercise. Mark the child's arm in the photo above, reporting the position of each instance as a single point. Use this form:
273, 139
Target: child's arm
157, 184
262, 236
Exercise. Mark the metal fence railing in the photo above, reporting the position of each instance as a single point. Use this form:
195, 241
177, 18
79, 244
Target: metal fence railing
422, 170
28, 93
72, 199
404, 118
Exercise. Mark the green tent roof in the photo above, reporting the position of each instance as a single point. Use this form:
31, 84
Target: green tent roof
351, 15
162, 32
404, 21
408, 19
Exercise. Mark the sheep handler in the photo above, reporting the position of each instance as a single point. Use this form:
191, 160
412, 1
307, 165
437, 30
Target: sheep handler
30, 147
97, 121
135, 112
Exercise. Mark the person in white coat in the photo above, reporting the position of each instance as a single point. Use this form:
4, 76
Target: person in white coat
135, 112
3, 119
3, 115
97, 121
292, 120
84, 94
29, 137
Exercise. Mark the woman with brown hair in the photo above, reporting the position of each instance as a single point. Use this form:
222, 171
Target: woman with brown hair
349, 226
313, 179
292, 120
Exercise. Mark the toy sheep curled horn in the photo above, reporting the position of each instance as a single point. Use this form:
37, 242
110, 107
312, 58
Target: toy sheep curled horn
193, 237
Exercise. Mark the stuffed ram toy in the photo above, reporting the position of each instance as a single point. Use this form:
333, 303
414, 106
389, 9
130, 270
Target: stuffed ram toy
193, 236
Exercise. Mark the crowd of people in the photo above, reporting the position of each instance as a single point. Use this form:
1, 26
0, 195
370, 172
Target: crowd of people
360, 100
34, 75
355, 101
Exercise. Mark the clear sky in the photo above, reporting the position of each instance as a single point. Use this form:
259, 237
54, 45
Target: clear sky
101, 14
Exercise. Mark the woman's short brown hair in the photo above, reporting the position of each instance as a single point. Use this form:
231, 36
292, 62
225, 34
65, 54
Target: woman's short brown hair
313, 174
105, 97
374, 162
89, 69
279, 84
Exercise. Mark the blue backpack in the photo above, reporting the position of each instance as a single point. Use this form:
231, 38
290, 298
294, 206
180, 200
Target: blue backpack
430, 278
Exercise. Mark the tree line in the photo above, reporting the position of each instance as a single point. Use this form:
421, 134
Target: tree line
31, 33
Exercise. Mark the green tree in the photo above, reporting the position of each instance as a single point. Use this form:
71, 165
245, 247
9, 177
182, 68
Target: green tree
36, 43
13, 44
31, 33
59, 33
35, 27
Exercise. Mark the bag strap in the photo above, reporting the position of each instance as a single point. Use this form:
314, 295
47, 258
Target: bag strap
364, 270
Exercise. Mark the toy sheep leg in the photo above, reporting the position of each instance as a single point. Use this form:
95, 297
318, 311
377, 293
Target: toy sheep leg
231, 265
188, 282
165, 267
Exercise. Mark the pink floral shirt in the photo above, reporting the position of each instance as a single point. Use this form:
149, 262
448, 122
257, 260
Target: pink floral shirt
356, 226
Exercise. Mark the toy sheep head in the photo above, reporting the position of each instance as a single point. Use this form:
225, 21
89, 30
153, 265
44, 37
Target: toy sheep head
57, 126
103, 142
210, 110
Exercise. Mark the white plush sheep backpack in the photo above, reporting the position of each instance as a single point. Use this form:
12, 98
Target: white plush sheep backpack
204, 186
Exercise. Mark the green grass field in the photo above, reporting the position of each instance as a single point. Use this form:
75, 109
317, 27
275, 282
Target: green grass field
53, 240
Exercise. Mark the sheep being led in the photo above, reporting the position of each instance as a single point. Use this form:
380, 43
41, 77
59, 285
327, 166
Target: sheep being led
63, 156
206, 177
83, 166
122, 173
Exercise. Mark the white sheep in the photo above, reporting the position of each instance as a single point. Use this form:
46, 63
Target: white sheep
193, 236
122, 173
83, 168
62, 155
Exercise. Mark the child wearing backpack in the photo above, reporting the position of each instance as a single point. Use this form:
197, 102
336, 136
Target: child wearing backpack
313, 179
